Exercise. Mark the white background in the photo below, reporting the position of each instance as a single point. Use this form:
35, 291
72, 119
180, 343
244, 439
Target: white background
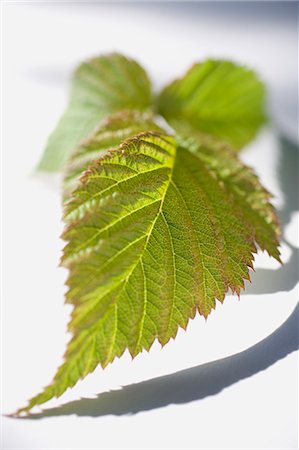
241, 391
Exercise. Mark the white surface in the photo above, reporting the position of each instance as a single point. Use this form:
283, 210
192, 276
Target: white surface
233, 403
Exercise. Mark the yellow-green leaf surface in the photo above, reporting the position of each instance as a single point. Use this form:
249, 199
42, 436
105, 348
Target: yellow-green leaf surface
101, 86
218, 98
156, 230
108, 136
243, 184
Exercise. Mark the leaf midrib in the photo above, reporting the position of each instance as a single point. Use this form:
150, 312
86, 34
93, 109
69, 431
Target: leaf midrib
145, 246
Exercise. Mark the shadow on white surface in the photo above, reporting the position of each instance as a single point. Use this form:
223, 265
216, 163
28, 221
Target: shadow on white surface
187, 385
266, 281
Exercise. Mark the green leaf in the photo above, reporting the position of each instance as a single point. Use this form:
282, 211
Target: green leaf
243, 185
157, 230
108, 136
101, 86
218, 98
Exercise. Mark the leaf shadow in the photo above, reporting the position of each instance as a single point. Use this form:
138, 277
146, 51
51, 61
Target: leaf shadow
187, 385
266, 281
